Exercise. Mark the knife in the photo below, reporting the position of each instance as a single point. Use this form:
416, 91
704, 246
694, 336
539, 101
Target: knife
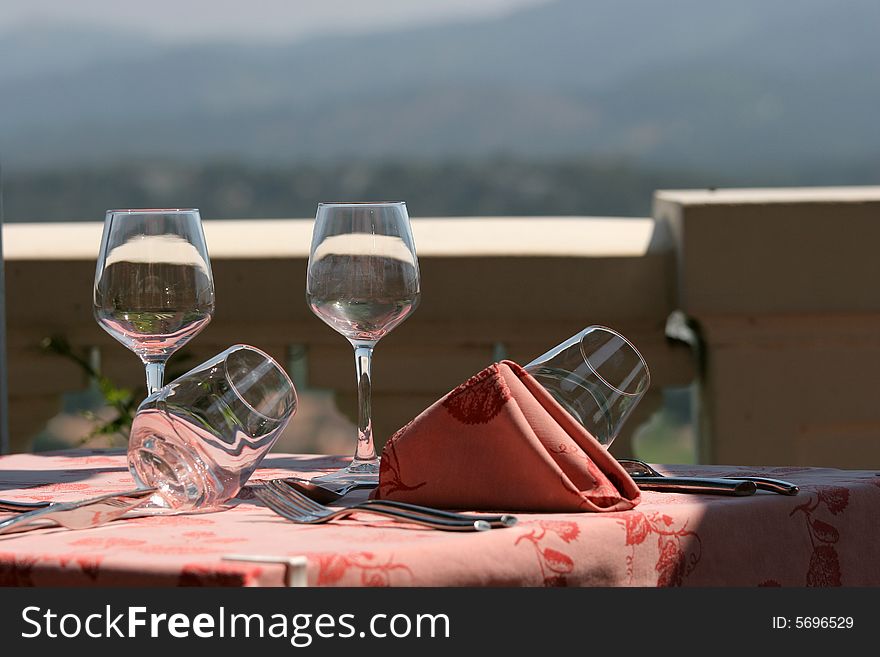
17, 507
638, 468
79, 515
705, 485
772, 485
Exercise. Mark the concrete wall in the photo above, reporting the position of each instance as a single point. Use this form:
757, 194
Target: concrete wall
779, 288
489, 287
782, 285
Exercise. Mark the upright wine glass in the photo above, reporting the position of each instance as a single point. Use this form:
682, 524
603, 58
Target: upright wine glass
363, 280
153, 285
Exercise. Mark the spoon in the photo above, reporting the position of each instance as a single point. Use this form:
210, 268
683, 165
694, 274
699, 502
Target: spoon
325, 493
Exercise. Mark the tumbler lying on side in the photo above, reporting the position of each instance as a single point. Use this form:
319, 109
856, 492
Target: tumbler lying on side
199, 438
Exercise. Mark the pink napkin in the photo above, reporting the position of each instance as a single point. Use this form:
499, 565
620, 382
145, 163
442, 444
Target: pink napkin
499, 441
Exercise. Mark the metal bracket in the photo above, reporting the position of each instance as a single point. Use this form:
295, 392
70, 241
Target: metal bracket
295, 574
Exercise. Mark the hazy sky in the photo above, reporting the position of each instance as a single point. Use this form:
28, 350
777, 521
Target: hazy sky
248, 20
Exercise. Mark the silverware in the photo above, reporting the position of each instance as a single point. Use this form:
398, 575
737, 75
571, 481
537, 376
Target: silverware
296, 507
705, 485
18, 507
324, 493
642, 472
79, 515
771, 485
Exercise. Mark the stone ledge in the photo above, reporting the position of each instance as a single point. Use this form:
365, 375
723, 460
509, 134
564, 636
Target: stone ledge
584, 237
771, 195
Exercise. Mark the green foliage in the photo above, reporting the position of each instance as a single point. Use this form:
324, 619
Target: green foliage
122, 400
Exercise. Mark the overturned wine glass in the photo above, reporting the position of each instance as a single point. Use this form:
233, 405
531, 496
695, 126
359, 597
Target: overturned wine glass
598, 376
200, 437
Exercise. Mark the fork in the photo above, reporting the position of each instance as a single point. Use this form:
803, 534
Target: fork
320, 494
296, 507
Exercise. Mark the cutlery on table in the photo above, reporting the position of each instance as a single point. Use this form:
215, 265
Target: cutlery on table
642, 473
79, 515
19, 507
325, 492
331, 492
296, 507
705, 485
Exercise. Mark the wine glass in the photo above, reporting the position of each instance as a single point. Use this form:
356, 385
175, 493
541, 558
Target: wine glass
362, 280
153, 285
598, 376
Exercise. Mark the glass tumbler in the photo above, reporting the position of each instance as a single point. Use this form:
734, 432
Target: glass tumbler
598, 376
199, 438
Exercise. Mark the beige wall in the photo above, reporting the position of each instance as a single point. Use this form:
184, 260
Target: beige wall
472, 305
780, 287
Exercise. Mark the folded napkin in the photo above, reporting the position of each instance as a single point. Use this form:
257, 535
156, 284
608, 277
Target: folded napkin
499, 441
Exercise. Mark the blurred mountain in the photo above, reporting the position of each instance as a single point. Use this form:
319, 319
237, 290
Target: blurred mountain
232, 190
680, 83
47, 47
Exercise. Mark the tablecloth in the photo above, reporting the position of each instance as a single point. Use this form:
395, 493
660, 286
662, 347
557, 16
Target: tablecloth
828, 535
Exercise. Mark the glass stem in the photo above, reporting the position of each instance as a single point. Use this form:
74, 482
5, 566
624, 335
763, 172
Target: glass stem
155, 374
363, 358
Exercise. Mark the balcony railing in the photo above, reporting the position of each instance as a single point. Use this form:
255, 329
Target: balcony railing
778, 329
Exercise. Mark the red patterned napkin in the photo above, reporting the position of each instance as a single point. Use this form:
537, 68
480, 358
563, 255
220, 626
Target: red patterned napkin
499, 441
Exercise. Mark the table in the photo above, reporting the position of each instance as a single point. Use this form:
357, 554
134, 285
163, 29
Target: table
828, 535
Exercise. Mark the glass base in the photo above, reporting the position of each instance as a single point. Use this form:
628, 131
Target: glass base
155, 462
363, 473
183, 481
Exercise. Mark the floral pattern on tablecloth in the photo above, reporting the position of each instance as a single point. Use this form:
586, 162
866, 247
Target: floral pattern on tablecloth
826, 536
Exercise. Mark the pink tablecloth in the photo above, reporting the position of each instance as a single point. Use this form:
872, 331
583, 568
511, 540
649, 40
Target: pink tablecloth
829, 535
